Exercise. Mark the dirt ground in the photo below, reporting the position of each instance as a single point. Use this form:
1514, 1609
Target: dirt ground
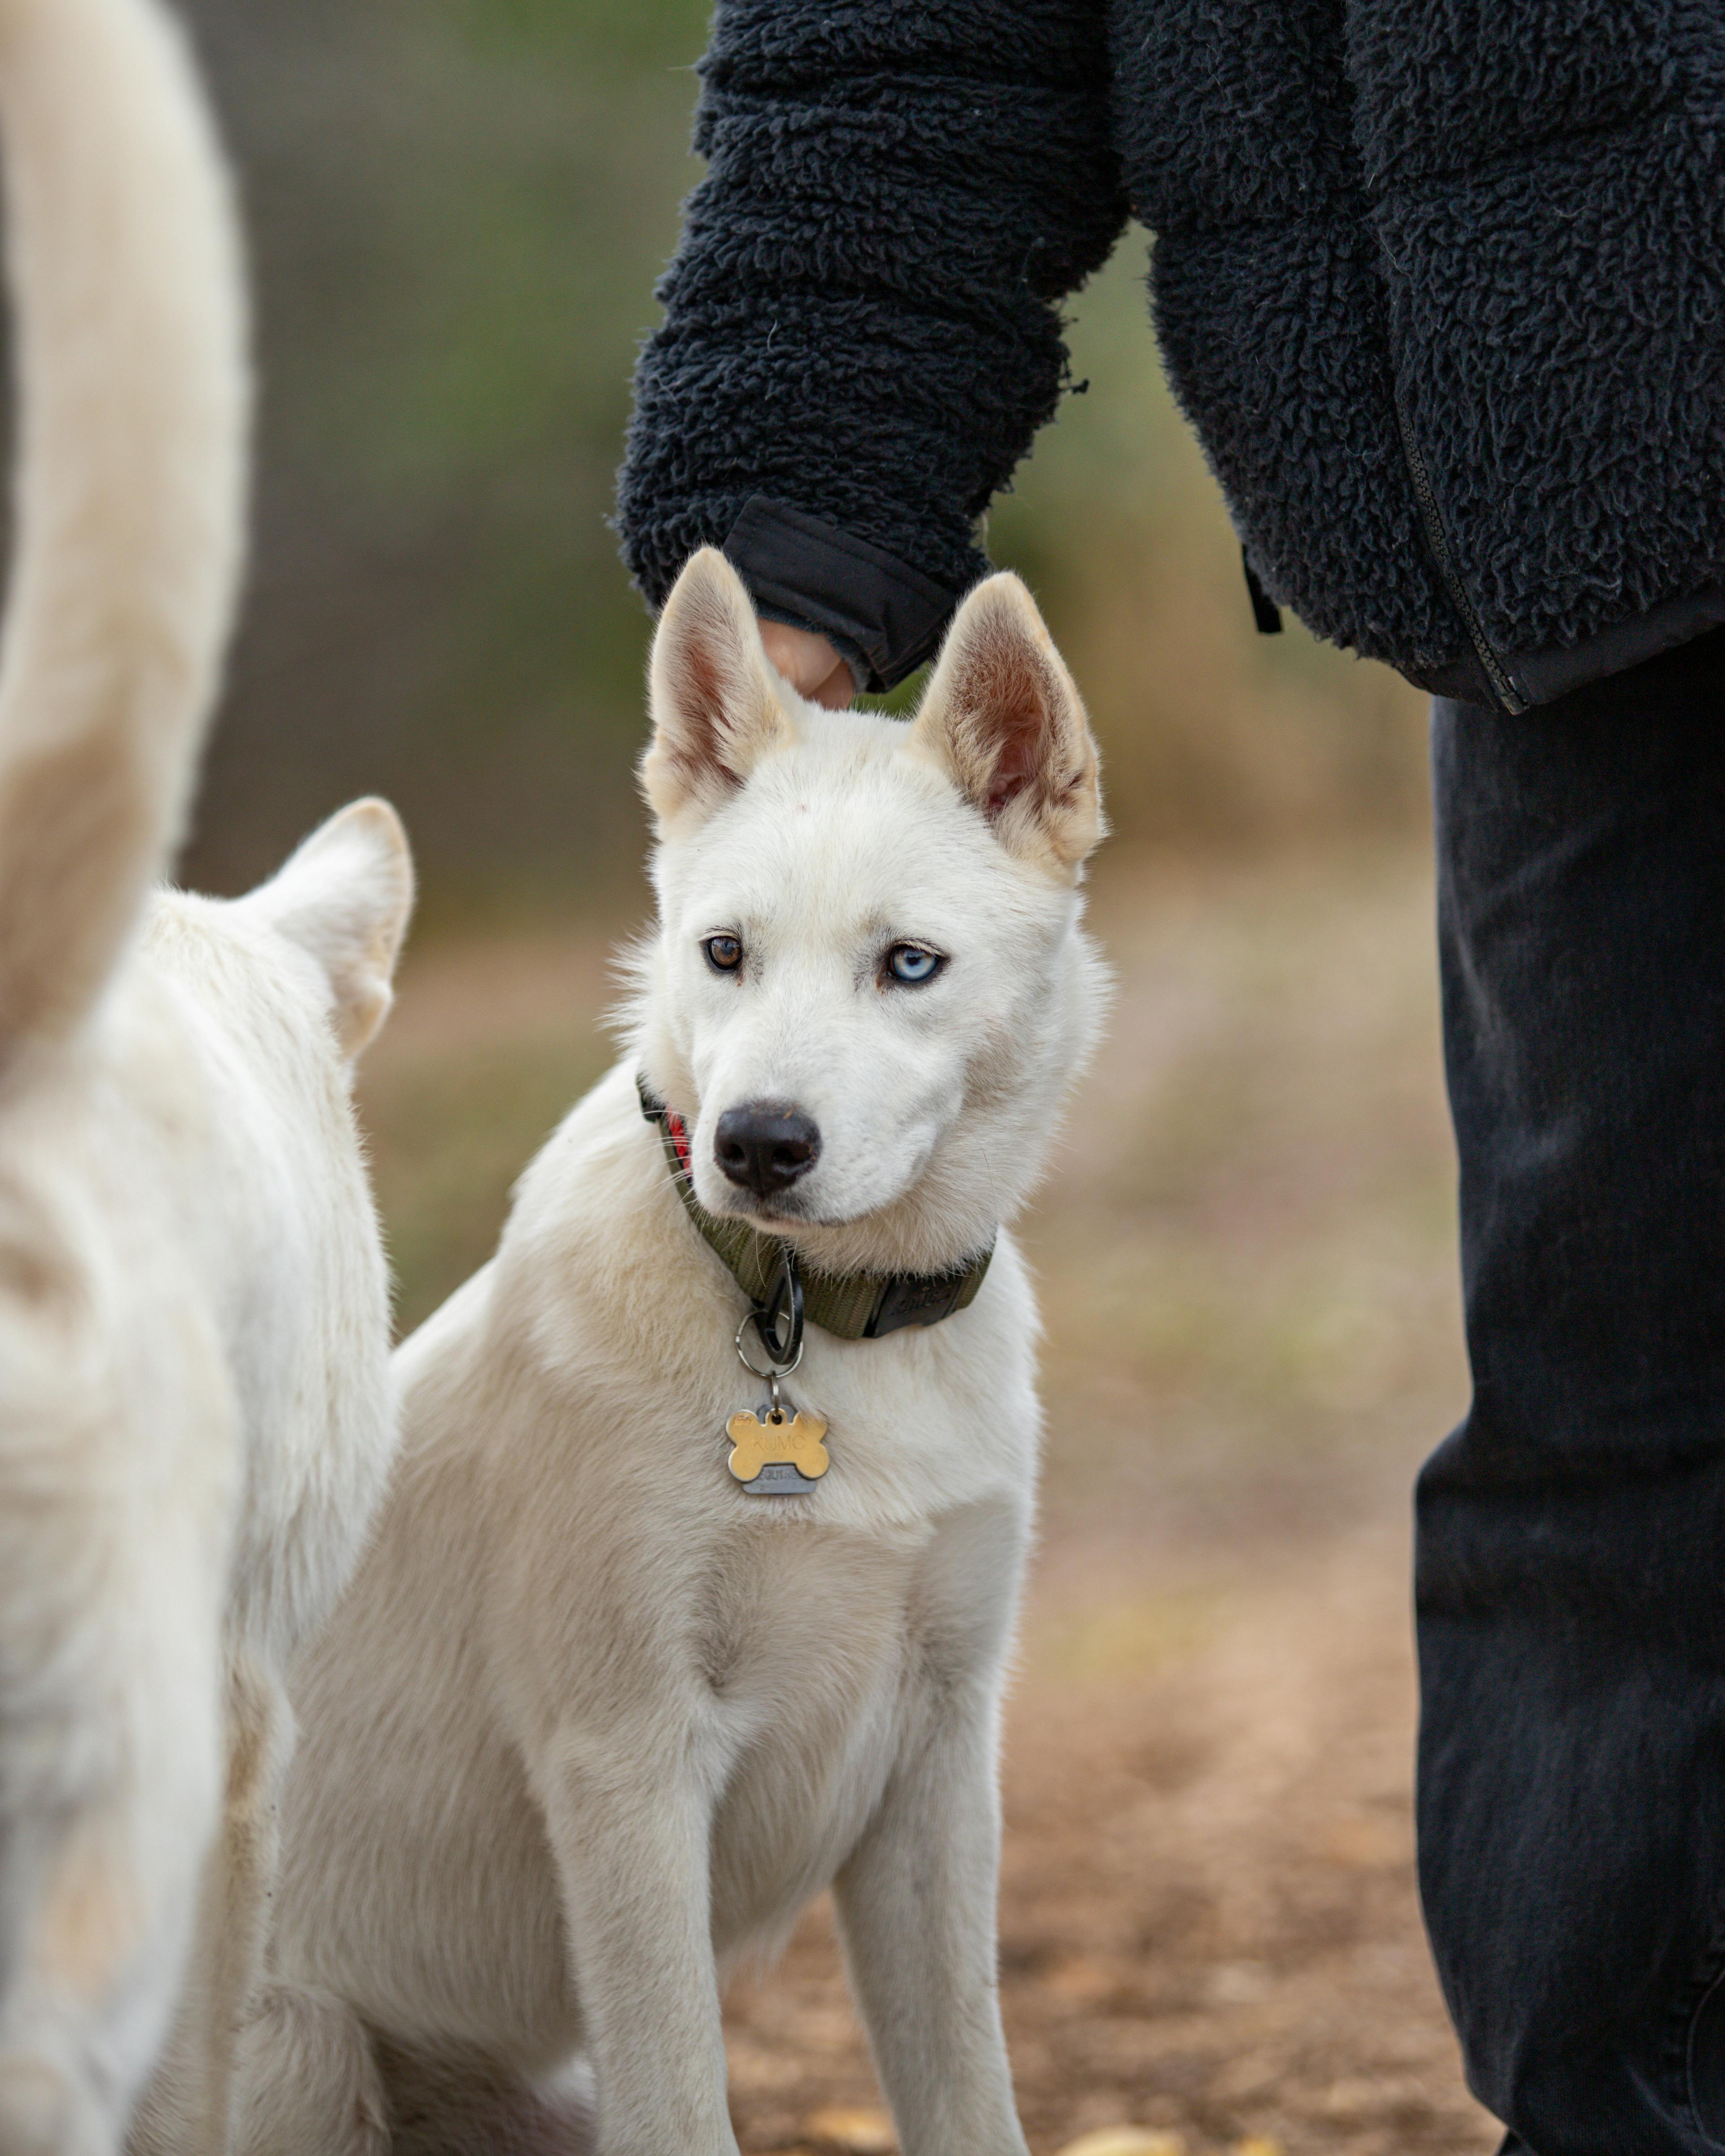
1209, 1921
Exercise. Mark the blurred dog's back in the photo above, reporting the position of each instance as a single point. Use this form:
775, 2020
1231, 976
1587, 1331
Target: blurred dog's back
194, 1403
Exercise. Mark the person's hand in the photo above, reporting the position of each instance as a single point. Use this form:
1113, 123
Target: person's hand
809, 663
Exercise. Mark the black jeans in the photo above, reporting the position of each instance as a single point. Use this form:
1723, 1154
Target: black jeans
1570, 1575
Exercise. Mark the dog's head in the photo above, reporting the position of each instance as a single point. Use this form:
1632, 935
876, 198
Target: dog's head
868, 991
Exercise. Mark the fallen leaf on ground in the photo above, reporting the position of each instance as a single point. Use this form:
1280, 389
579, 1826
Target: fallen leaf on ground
1126, 2141
1079, 1977
1257, 2145
858, 2132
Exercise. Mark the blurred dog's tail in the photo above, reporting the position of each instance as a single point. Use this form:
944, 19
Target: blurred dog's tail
130, 333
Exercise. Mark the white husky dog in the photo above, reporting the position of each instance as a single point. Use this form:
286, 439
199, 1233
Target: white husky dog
194, 1398
600, 1713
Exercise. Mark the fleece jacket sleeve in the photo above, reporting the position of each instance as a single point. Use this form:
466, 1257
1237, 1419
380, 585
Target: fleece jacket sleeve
861, 328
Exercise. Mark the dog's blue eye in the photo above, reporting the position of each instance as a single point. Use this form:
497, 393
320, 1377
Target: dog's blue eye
911, 964
724, 954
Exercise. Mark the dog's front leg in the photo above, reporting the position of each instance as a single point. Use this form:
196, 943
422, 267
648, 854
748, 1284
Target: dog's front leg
631, 1838
916, 1909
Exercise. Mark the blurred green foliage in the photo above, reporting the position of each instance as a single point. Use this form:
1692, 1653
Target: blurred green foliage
450, 1133
459, 209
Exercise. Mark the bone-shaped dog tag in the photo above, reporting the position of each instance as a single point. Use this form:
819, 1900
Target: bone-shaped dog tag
774, 1455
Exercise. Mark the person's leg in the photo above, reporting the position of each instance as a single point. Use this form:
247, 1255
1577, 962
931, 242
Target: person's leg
1570, 1573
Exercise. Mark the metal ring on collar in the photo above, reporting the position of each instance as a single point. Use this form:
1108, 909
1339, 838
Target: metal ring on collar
777, 1323
772, 1369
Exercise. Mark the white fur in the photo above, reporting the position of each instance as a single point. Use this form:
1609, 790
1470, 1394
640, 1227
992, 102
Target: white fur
279, 990
592, 1724
194, 1400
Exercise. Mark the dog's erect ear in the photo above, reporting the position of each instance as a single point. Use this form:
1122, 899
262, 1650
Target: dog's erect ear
345, 896
1002, 718
715, 706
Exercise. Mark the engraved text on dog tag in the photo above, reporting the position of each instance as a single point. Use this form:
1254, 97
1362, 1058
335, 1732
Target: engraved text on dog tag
774, 1455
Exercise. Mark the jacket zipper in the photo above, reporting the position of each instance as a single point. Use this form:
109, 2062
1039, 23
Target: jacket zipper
1508, 695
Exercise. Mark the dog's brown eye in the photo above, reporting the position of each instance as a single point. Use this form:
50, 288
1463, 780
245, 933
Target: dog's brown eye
724, 954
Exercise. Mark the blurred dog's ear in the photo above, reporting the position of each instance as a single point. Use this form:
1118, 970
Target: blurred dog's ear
716, 709
345, 897
1002, 717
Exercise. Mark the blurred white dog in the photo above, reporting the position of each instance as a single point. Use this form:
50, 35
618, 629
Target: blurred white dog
633, 1668
194, 1401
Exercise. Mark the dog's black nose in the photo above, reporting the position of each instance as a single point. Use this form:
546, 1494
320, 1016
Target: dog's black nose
765, 1145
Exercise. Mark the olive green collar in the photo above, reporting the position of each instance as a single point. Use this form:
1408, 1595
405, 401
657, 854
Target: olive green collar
849, 1305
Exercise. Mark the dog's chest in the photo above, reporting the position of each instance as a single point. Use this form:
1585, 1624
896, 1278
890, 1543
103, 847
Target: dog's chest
821, 1652
804, 1642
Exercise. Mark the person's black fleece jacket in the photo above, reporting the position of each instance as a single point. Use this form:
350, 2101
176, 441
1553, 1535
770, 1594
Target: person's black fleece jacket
1439, 282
